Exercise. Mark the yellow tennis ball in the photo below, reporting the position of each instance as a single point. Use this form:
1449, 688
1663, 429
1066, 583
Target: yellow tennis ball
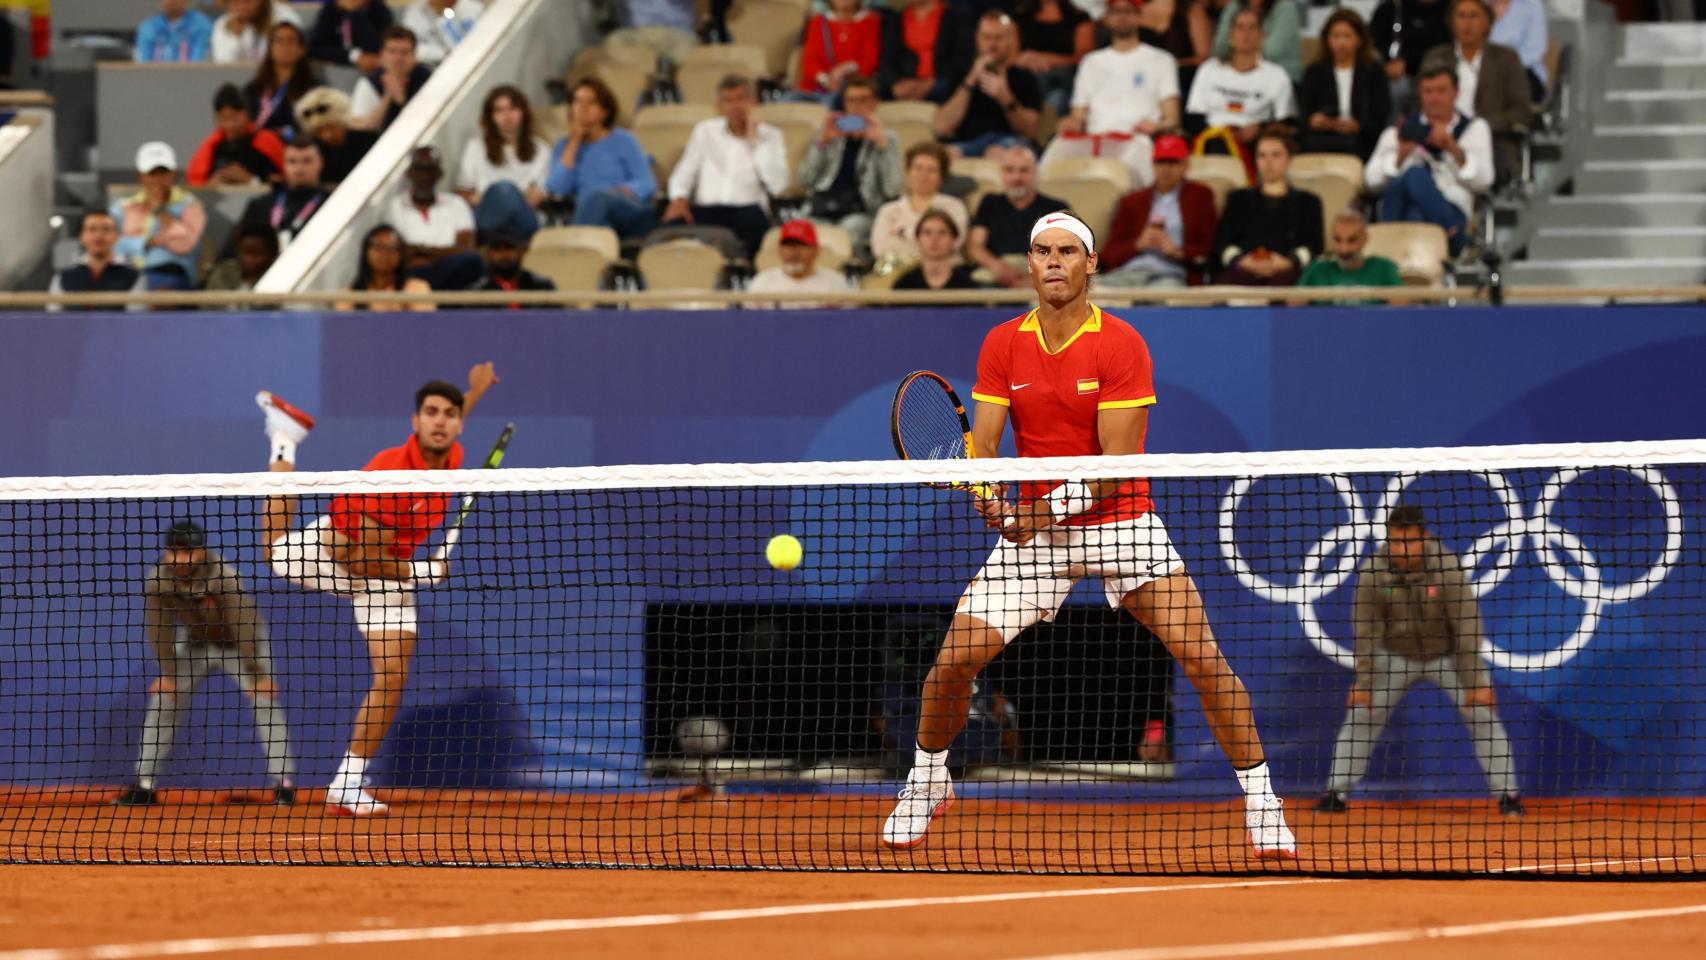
783, 552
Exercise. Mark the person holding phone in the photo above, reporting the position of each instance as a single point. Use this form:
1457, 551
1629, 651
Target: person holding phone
853, 166
998, 104
1432, 165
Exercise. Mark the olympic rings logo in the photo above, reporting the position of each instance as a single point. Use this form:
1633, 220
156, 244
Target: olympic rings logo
1568, 562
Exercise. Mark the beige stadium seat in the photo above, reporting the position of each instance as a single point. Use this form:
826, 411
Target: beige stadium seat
681, 265
570, 268
835, 247
664, 143
672, 115
1085, 168
812, 114
1219, 166
1341, 165
742, 58
796, 140
1335, 192
602, 239
697, 83
906, 111
909, 132
773, 26
1220, 186
635, 54
1091, 199
1419, 249
987, 174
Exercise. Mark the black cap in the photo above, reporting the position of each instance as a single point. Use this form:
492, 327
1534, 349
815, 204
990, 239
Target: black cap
505, 236
185, 535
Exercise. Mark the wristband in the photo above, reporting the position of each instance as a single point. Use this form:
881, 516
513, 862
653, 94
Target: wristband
1070, 499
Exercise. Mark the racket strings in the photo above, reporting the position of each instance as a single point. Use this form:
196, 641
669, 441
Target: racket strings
929, 424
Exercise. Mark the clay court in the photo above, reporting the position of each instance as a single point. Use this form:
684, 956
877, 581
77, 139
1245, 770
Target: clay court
1227, 908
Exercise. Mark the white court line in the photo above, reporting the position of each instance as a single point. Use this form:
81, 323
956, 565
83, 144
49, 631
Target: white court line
1583, 864
302, 941
1348, 941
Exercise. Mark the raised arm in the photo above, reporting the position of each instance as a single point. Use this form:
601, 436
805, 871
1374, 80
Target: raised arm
480, 379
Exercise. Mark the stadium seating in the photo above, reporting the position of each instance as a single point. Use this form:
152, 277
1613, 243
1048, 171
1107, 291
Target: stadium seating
1220, 174
730, 58
1419, 249
681, 265
800, 124
772, 26
1092, 198
906, 111
1092, 168
985, 172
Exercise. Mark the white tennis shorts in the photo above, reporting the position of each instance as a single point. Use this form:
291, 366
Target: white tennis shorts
1020, 585
381, 606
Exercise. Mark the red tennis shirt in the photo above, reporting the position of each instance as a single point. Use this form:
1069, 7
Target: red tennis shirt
1053, 397
413, 516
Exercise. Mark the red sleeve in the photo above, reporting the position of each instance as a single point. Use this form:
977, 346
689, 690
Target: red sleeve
1125, 372
268, 144
1128, 225
869, 46
814, 59
201, 164
992, 383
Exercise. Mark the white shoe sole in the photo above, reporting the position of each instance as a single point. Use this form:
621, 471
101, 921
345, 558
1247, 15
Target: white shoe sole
937, 814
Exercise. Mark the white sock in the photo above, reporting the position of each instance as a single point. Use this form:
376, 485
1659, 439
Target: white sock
931, 760
281, 448
350, 771
146, 783
1258, 787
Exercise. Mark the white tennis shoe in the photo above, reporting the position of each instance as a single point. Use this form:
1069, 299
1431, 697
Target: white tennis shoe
1270, 838
926, 796
350, 800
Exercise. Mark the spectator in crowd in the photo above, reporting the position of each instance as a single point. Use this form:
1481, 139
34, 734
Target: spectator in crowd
1003, 224
160, 226
1350, 265
240, 34
281, 78
853, 167
1521, 26
1182, 28
841, 43
437, 227
1346, 101
99, 271
892, 231
1124, 94
1270, 232
235, 154
1433, 165
1282, 32
1054, 36
1491, 82
997, 105
1233, 98
254, 248
798, 272
503, 169
920, 51
381, 95
177, 34
731, 168
1160, 232
291, 204
351, 32
939, 266
381, 269
502, 251
1403, 32
1415, 618
439, 25
324, 115
602, 166
668, 27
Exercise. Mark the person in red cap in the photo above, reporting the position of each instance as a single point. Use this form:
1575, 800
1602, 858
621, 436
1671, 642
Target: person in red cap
798, 271
1160, 231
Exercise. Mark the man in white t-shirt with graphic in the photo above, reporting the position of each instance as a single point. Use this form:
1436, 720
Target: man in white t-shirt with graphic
1238, 95
1124, 93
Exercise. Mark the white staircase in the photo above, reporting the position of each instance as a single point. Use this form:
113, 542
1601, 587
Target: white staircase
1637, 215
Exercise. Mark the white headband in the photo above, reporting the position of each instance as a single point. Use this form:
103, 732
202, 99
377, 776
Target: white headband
1069, 223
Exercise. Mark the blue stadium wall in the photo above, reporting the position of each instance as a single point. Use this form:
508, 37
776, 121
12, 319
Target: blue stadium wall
507, 689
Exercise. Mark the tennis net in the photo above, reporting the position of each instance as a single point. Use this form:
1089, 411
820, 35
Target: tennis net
613, 673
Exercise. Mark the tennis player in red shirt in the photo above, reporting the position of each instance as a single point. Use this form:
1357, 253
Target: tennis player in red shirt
363, 550
1075, 381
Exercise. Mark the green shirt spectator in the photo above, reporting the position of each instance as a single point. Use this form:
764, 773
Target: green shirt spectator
1371, 272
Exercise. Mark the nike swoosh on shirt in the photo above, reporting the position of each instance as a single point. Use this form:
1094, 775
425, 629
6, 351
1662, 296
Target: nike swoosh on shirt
1017, 386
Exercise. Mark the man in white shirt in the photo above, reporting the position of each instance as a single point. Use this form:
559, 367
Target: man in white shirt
380, 96
1243, 92
1124, 93
798, 272
440, 25
437, 228
1432, 166
731, 168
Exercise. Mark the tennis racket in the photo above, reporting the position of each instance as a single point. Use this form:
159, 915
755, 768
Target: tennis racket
493, 460
928, 422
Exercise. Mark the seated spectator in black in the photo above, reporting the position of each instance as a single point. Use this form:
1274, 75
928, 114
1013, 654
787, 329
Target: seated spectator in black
324, 115
1232, 99
731, 168
380, 96
1270, 232
351, 32
1002, 227
1403, 32
853, 167
1491, 81
99, 272
1182, 28
254, 248
939, 266
927, 46
281, 78
1053, 36
602, 166
505, 165
437, 227
440, 25
503, 250
290, 205
1349, 264
381, 269
236, 153
997, 105
1160, 232
1432, 166
1346, 100
798, 272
